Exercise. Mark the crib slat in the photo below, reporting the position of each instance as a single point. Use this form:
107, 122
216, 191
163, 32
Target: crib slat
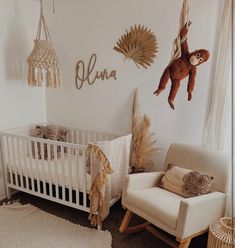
9, 158
77, 166
93, 139
63, 173
36, 165
84, 178
44, 171
99, 136
88, 136
83, 137
16, 167
25, 163
31, 172
72, 136
56, 172
4, 157
69, 150
20, 161
49, 168
77, 137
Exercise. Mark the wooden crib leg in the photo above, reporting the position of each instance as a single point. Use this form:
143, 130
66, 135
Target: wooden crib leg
8, 189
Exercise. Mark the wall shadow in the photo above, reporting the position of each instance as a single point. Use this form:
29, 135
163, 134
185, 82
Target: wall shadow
17, 46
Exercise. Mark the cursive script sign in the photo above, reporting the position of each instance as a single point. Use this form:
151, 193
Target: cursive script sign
89, 74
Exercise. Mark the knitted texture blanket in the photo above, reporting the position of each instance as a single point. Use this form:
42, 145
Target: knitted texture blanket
106, 158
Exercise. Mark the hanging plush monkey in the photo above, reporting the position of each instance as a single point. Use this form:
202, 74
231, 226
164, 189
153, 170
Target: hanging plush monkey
182, 67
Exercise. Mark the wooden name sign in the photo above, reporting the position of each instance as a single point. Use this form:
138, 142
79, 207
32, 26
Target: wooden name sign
88, 74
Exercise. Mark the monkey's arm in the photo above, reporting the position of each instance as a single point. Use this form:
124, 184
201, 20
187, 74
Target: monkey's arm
191, 82
183, 34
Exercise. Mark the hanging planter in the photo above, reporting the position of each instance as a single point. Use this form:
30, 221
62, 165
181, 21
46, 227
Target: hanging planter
43, 58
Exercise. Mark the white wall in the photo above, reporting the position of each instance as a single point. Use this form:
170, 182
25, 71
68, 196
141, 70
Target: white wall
80, 28
19, 103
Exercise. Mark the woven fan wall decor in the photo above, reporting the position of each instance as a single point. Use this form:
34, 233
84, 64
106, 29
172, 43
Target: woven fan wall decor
138, 44
43, 58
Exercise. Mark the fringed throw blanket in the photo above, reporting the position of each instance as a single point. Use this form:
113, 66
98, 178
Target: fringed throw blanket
105, 158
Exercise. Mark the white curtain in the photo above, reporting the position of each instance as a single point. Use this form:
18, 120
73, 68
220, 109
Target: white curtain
218, 135
218, 126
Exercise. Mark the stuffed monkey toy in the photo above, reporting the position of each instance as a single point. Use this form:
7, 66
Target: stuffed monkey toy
184, 66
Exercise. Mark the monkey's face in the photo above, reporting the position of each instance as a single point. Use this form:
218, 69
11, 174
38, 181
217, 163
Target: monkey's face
198, 57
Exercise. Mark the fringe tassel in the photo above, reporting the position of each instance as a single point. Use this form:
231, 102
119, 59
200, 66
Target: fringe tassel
40, 77
52, 77
48, 78
30, 76
56, 78
98, 186
32, 79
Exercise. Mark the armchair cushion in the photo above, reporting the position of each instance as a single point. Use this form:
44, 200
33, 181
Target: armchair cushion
185, 182
160, 204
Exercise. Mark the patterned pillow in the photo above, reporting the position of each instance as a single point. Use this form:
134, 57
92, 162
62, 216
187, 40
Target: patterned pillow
46, 132
63, 136
184, 182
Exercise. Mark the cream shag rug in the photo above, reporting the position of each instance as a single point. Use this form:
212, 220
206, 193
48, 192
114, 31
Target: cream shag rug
25, 226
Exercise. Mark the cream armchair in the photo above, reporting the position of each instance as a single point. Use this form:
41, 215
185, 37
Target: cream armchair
181, 217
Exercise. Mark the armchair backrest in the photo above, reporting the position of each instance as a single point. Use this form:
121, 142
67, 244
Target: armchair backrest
203, 160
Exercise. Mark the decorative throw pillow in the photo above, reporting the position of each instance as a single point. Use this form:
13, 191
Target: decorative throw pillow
38, 132
51, 132
63, 136
185, 182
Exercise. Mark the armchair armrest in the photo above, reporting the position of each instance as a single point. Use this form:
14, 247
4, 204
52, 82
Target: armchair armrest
197, 213
141, 181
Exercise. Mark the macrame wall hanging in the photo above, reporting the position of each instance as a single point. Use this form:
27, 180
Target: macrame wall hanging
138, 44
43, 62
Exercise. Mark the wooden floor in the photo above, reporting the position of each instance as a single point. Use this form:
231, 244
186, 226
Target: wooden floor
112, 223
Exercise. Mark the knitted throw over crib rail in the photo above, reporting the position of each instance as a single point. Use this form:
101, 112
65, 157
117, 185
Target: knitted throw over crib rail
43, 58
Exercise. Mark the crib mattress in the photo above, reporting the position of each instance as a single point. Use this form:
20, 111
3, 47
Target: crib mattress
55, 171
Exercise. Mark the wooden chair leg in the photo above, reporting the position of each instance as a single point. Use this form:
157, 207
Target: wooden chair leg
126, 221
185, 243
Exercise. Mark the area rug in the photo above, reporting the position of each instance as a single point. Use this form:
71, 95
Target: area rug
25, 226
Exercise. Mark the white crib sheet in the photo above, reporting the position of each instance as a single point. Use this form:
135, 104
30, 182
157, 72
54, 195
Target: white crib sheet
48, 171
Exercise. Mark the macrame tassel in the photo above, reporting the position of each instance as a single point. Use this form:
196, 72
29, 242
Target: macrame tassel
33, 78
56, 78
48, 78
30, 75
39, 77
95, 219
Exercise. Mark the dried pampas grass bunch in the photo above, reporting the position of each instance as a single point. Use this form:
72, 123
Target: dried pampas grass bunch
143, 141
138, 44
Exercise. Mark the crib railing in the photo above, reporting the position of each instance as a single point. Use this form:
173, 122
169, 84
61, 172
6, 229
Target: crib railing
22, 156
83, 136
50, 169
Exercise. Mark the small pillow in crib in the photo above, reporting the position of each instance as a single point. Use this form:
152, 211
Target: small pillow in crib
52, 132
46, 132
185, 182
63, 134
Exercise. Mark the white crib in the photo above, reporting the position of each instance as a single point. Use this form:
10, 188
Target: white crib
62, 179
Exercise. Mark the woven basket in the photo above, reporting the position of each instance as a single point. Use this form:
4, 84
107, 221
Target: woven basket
222, 233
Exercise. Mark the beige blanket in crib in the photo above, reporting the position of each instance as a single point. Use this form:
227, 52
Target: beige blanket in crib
104, 158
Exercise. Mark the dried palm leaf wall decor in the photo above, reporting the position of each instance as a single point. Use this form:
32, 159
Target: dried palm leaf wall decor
138, 44
43, 58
